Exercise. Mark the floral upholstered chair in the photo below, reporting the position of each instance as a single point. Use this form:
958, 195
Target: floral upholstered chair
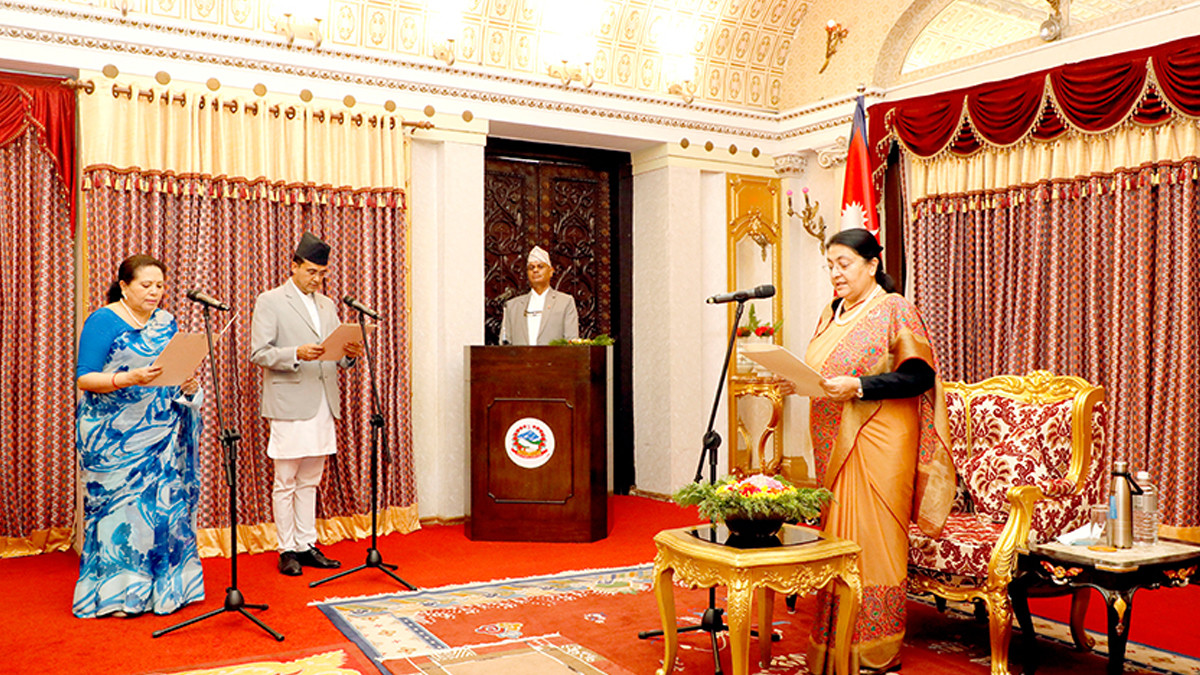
1030, 456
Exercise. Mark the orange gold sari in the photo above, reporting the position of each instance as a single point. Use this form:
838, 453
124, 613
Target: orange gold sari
887, 463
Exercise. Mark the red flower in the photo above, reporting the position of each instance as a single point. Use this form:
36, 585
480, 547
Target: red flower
764, 331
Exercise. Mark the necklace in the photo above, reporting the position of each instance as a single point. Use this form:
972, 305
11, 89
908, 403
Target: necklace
841, 320
134, 319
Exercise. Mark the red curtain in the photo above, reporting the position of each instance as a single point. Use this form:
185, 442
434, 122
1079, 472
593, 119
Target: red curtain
48, 107
235, 240
37, 355
1092, 96
1093, 277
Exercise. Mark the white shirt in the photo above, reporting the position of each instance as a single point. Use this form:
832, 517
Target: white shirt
533, 313
309, 304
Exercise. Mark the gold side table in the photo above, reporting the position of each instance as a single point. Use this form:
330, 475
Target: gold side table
788, 568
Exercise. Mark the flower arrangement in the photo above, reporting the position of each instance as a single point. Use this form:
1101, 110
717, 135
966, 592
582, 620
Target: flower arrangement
753, 327
757, 497
601, 340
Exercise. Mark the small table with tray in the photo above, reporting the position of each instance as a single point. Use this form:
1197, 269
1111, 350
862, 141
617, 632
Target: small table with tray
1054, 568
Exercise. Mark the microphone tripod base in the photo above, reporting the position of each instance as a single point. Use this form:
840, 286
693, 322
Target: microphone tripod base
234, 602
375, 561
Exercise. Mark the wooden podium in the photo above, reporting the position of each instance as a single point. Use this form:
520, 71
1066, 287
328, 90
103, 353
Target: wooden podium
539, 443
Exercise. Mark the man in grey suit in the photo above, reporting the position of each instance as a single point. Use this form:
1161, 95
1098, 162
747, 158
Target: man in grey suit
543, 313
299, 398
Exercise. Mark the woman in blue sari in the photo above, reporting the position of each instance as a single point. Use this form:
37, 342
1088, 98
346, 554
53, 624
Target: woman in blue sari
137, 448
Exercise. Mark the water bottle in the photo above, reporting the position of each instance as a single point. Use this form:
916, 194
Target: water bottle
1120, 506
1145, 511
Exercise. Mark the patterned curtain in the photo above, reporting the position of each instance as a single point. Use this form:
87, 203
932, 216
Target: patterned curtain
220, 186
37, 353
215, 237
1093, 277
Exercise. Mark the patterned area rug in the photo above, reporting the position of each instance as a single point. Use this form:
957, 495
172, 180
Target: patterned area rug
453, 629
587, 622
335, 662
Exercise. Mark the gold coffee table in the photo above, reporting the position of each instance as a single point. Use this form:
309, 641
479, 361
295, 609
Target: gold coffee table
790, 568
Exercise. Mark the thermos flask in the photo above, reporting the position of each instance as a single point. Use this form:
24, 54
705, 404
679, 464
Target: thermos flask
1120, 506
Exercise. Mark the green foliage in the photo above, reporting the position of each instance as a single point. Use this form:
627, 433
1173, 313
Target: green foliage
791, 504
601, 340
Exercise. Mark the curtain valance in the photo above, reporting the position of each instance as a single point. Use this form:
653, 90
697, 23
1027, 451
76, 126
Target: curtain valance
188, 130
1148, 87
47, 105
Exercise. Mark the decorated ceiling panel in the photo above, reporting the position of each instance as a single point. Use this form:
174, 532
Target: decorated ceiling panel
735, 50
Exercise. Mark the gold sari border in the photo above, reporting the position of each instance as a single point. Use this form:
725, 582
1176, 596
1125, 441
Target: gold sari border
39, 541
261, 537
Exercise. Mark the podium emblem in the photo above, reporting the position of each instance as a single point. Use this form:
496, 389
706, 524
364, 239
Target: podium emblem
529, 442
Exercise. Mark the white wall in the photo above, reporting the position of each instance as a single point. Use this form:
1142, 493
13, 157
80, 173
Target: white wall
678, 261
447, 315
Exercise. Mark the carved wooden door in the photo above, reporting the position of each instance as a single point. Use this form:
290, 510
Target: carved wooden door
567, 210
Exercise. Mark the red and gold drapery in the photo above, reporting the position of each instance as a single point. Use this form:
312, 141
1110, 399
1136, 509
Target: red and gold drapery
1061, 208
1148, 87
37, 458
47, 106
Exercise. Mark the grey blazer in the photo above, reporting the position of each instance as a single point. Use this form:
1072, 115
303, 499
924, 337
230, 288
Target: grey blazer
291, 389
560, 320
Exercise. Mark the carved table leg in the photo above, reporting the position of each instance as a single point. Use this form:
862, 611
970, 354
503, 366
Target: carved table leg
766, 607
847, 602
1018, 591
739, 599
664, 592
1120, 606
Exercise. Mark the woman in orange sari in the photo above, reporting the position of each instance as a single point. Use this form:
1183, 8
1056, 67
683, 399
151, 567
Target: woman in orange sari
880, 444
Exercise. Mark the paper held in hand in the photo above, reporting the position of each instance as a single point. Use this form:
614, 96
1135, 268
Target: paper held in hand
182, 356
335, 344
786, 364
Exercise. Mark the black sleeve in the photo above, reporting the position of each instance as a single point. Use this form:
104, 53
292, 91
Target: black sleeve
913, 378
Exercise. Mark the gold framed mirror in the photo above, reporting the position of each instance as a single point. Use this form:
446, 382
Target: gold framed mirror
754, 244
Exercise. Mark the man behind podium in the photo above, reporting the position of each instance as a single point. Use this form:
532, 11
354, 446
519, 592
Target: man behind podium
543, 312
299, 397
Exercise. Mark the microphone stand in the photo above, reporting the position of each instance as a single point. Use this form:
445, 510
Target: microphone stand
374, 558
234, 601
711, 620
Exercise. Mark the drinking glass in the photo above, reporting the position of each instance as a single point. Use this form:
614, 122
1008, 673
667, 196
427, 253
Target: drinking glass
1098, 523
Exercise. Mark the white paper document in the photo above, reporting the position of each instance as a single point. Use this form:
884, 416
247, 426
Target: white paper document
786, 364
335, 344
182, 356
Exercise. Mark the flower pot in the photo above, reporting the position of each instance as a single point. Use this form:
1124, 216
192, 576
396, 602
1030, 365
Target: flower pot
753, 528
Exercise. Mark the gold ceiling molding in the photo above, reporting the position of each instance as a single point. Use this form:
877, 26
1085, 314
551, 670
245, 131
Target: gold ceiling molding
740, 47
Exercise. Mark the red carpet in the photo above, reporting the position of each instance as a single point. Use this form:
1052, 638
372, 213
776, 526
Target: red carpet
38, 634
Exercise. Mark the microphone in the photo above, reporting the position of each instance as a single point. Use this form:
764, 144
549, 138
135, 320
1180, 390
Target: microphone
359, 307
764, 291
197, 295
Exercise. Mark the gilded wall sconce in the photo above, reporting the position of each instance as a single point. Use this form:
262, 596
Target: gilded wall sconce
834, 34
568, 72
813, 223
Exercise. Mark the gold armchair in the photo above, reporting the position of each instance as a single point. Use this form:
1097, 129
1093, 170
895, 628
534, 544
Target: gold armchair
1030, 455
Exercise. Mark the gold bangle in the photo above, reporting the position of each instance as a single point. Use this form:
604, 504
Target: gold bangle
114, 381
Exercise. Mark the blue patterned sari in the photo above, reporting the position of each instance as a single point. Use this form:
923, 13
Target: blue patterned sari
138, 453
